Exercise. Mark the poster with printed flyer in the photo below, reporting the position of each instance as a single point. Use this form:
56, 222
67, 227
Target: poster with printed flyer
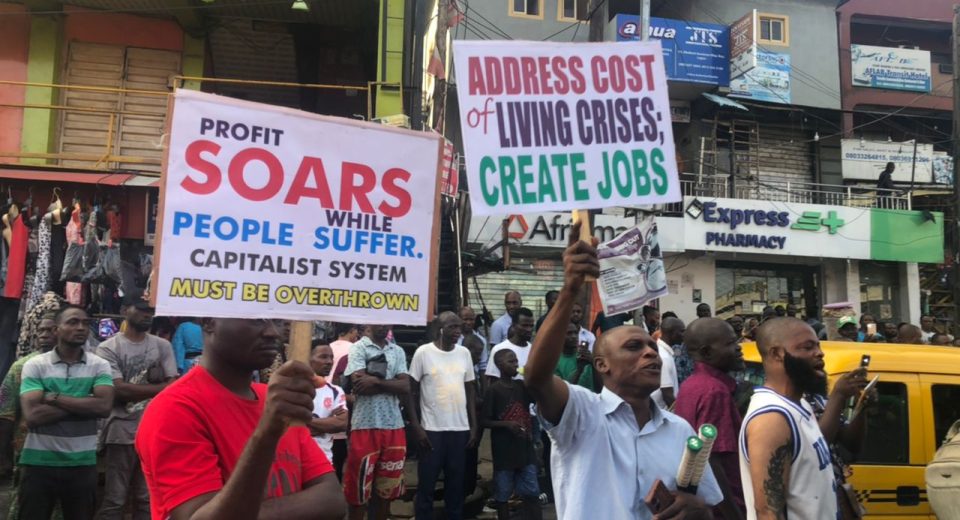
632, 272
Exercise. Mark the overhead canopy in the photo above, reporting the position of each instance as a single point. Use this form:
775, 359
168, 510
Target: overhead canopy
100, 178
724, 101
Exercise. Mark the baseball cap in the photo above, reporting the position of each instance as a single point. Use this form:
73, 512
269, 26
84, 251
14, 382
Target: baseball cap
136, 298
846, 320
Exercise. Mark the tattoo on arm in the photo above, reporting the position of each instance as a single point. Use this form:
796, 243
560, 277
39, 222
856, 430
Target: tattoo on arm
773, 485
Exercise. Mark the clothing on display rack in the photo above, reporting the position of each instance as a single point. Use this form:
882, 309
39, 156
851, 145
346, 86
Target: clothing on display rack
42, 272
73, 291
58, 248
17, 257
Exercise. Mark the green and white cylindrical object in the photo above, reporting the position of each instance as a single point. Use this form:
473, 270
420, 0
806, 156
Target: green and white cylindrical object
688, 462
707, 435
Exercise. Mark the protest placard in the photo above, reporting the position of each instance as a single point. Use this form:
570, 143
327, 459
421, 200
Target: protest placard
562, 126
269, 212
631, 268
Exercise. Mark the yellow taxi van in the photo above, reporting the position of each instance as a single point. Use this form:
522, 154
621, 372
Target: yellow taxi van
919, 391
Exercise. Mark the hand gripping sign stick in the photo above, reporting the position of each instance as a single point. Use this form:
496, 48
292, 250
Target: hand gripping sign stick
586, 231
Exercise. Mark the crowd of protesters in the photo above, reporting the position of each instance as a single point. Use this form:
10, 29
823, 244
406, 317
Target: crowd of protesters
215, 424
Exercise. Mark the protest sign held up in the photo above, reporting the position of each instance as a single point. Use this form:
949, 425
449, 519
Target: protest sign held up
556, 126
270, 212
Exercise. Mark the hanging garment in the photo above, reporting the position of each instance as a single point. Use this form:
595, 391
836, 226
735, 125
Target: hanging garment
41, 278
73, 290
58, 249
17, 260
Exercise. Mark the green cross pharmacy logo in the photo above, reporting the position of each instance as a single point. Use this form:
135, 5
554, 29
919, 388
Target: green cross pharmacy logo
811, 221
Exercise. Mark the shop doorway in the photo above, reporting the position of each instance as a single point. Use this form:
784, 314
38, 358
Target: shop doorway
745, 289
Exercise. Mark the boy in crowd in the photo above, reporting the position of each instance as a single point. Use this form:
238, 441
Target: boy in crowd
506, 411
329, 424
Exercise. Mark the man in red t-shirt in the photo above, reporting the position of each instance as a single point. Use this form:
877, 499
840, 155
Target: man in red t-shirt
214, 445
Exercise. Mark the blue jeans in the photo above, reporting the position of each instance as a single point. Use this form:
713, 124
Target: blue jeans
523, 481
449, 455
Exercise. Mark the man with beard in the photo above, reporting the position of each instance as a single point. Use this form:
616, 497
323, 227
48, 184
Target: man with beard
213, 445
142, 365
784, 460
609, 448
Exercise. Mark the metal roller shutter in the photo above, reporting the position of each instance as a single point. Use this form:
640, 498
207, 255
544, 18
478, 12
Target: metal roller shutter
536, 278
86, 130
138, 133
141, 131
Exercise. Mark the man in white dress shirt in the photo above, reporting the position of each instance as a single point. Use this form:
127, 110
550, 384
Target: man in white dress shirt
609, 448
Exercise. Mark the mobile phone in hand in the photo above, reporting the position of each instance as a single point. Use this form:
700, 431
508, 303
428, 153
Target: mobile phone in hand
865, 359
659, 497
871, 329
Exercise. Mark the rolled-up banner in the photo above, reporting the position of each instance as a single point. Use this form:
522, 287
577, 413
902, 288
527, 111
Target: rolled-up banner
687, 462
707, 435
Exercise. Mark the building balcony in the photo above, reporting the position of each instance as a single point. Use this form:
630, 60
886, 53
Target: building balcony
791, 192
108, 128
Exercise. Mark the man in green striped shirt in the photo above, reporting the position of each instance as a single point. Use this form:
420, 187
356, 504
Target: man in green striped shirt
62, 394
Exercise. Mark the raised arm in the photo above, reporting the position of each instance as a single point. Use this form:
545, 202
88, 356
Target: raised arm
551, 393
770, 446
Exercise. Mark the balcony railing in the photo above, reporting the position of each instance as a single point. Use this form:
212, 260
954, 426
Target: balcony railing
794, 192
110, 128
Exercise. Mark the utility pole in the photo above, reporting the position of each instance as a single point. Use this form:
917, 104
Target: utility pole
644, 20
955, 151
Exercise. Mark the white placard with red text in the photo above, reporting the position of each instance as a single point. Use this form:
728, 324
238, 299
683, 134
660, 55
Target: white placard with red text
269, 212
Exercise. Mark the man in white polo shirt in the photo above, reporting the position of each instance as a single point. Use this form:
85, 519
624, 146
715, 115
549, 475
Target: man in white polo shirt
609, 448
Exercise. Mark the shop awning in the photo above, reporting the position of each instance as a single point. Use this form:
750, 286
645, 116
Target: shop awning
724, 101
66, 176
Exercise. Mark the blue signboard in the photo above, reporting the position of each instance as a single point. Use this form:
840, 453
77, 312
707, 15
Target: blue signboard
692, 52
769, 81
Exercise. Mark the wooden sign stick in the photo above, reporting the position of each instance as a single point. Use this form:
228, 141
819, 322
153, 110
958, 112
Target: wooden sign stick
301, 336
586, 231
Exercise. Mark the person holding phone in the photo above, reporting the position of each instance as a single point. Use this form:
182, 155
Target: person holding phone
838, 432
